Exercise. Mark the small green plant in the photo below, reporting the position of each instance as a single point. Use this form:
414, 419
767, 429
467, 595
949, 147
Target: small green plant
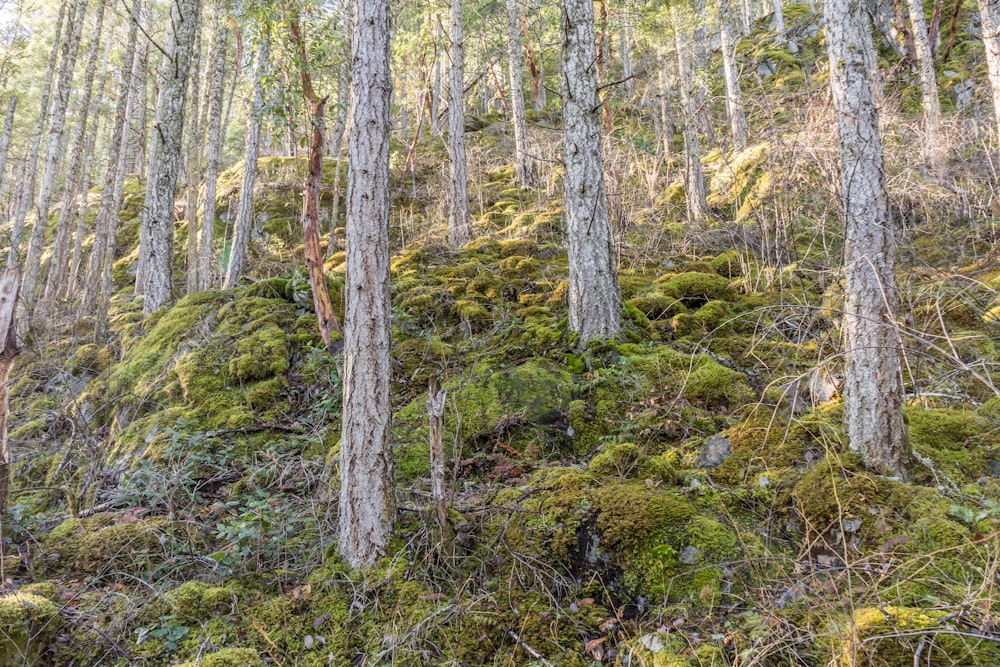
166, 630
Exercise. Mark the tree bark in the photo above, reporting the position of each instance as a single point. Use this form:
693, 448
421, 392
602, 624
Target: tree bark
8, 126
873, 388
778, 21
734, 97
694, 181
8, 339
989, 10
27, 191
158, 218
435, 413
206, 273
74, 173
310, 194
366, 497
594, 298
459, 219
244, 212
524, 166
193, 152
53, 150
932, 141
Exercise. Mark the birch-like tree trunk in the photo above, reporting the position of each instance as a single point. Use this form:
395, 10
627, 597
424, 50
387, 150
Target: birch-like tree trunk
873, 387
244, 212
27, 190
436, 124
989, 11
158, 209
106, 225
8, 126
734, 97
54, 149
694, 181
594, 297
74, 173
747, 16
206, 258
459, 219
524, 166
933, 147
366, 497
778, 21
192, 158
69, 286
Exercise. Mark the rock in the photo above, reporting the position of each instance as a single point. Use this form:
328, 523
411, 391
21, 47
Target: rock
715, 451
690, 555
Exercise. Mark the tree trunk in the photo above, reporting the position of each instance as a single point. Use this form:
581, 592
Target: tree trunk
537, 85
989, 10
206, 272
310, 194
135, 140
747, 14
244, 212
933, 147
8, 340
778, 21
594, 298
694, 181
74, 173
158, 219
435, 413
5, 139
366, 496
459, 219
54, 149
666, 136
70, 285
436, 124
27, 191
627, 72
734, 97
193, 162
873, 389
524, 166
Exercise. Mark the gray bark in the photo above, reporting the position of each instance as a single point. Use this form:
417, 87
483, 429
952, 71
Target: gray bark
70, 284
524, 166
206, 258
27, 191
366, 497
107, 213
594, 298
193, 159
747, 16
778, 21
989, 11
158, 209
54, 149
436, 128
135, 140
244, 212
694, 181
873, 388
8, 126
459, 219
734, 97
74, 172
932, 140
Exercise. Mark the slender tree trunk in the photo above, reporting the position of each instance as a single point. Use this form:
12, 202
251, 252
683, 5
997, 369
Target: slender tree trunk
435, 413
337, 141
74, 173
244, 213
747, 14
459, 219
524, 166
694, 181
69, 289
778, 21
54, 149
989, 10
158, 218
537, 85
933, 145
366, 497
27, 191
594, 298
734, 97
666, 122
8, 341
436, 125
310, 194
873, 389
8, 126
899, 17
135, 140
193, 150
206, 273
627, 72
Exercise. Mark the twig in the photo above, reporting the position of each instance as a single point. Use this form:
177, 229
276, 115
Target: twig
532, 652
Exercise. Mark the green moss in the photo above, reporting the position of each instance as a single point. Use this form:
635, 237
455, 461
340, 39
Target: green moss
90, 359
229, 657
28, 623
728, 264
715, 385
695, 288
714, 317
617, 459
658, 306
199, 601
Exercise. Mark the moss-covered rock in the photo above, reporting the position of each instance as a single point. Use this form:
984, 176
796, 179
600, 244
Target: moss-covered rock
229, 657
28, 624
